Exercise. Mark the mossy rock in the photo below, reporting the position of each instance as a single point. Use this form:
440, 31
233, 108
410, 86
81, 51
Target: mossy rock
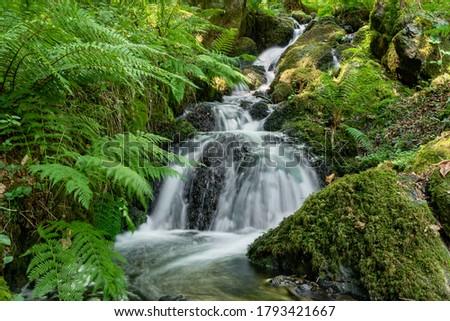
361, 36
266, 30
366, 223
352, 18
301, 17
439, 189
309, 132
174, 129
255, 76
5, 294
281, 92
245, 45
432, 153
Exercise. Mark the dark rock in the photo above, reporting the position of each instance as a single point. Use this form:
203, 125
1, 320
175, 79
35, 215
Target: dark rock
259, 111
201, 116
245, 45
353, 19
266, 30
245, 104
281, 92
280, 114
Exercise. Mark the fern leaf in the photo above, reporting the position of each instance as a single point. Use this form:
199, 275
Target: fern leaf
74, 181
225, 42
359, 137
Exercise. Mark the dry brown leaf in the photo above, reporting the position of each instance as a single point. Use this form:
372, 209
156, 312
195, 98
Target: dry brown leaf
2, 189
444, 167
329, 179
360, 225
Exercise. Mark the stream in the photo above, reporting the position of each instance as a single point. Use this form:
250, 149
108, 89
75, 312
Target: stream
196, 237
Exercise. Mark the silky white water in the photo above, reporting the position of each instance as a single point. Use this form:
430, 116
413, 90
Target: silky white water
259, 189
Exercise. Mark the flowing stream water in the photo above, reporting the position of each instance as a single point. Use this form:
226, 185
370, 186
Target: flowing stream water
263, 178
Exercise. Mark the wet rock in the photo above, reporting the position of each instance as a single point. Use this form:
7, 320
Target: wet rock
256, 76
245, 104
353, 19
278, 117
259, 111
201, 116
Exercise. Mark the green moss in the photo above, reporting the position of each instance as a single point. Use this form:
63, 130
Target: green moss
5, 294
368, 223
439, 188
432, 153
281, 92
174, 129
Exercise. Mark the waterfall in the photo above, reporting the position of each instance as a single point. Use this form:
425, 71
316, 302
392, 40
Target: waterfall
253, 179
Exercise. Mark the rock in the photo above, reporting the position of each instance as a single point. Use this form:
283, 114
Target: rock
259, 111
245, 45
266, 30
176, 130
201, 116
352, 19
439, 190
392, 258
245, 104
361, 35
301, 17
281, 92
432, 153
280, 114
409, 56
256, 76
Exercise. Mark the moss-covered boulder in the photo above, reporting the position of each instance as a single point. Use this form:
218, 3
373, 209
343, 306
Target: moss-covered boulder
245, 45
432, 153
281, 92
368, 224
266, 30
176, 130
352, 19
5, 294
439, 189
301, 17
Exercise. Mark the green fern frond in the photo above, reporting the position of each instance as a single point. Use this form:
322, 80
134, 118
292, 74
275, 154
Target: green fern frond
225, 42
74, 181
359, 137
72, 257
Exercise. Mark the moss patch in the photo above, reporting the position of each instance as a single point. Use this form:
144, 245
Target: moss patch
368, 223
5, 294
439, 189
434, 152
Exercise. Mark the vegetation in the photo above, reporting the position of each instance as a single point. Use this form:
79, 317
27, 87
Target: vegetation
381, 234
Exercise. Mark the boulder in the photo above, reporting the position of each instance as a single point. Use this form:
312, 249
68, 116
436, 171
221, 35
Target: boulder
245, 45
301, 17
267, 30
201, 116
255, 75
281, 92
439, 189
381, 235
259, 110
352, 19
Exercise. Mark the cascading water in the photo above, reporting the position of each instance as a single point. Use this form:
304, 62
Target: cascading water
253, 179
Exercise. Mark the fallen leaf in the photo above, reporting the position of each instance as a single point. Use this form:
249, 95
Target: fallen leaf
360, 225
329, 179
2, 189
444, 166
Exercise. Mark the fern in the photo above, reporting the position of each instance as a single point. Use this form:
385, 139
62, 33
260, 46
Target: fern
73, 257
359, 137
74, 181
225, 42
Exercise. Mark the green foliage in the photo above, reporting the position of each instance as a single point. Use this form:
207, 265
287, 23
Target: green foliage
5, 294
225, 42
73, 257
367, 223
359, 137
439, 188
